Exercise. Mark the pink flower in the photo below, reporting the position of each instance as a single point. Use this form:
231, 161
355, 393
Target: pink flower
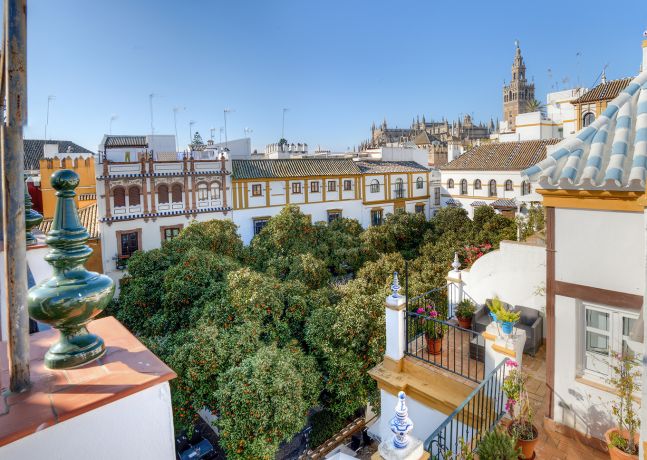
420, 311
512, 363
509, 405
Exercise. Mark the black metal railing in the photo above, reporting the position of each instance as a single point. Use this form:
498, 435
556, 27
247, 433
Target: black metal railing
445, 345
479, 413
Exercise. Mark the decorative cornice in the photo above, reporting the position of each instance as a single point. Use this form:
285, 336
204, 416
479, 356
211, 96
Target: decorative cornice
151, 215
219, 172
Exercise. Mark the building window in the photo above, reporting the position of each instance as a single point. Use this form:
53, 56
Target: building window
420, 183
477, 184
314, 187
176, 193
215, 191
332, 186
203, 192
464, 187
134, 196
129, 243
259, 224
296, 187
525, 188
168, 233
375, 186
119, 197
437, 196
162, 193
348, 185
334, 215
508, 185
492, 188
399, 188
420, 208
450, 183
257, 190
376, 217
607, 332
587, 119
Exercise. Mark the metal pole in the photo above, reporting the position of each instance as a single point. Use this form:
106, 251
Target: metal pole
15, 14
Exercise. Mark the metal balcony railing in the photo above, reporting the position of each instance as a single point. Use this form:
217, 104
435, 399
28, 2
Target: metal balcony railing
479, 413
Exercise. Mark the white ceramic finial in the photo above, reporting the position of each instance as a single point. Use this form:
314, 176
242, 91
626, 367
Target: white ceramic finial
401, 424
456, 263
395, 287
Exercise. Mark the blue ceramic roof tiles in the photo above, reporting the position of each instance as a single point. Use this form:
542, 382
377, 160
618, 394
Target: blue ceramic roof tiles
609, 154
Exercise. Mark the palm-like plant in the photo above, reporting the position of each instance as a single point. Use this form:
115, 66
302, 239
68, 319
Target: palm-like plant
534, 105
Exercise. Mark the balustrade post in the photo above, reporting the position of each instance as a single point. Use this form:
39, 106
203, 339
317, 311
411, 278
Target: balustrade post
455, 283
395, 326
400, 445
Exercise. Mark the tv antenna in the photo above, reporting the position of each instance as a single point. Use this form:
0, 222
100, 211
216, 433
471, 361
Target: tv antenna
50, 98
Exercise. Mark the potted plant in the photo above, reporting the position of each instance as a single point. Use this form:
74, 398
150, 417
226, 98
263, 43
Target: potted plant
518, 406
623, 439
497, 445
507, 318
464, 313
433, 327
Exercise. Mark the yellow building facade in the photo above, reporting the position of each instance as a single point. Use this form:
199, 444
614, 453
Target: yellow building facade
85, 192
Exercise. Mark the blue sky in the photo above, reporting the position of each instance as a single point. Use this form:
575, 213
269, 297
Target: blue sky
337, 65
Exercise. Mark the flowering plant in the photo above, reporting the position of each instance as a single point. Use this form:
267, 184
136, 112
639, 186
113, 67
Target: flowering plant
473, 253
432, 323
624, 380
518, 403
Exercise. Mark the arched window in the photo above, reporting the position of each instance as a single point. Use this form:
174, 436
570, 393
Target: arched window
119, 196
492, 188
375, 186
464, 187
162, 193
508, 185
399, 188
133, 196
420, 183
525, 188
176, 193
450, 183
588, 118
215, 191
203, 191
477, 184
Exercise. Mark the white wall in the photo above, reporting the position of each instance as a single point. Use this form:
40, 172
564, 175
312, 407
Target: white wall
420, 156
137, 427
602, 249
516, 273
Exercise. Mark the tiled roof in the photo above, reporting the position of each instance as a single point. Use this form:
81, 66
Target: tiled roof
504, 203
380, 166
453, 202
125, 141
502, 156
88, 218
479, 203
268, 169
34, 150
609, 154
424, 138
604, 91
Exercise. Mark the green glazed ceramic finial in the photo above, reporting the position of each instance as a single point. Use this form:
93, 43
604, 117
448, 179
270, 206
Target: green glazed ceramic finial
72, 296
32, 218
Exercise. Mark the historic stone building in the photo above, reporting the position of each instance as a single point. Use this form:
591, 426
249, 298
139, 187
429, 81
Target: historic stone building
518, 93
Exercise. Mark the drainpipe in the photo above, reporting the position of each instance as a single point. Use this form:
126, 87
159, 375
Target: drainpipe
11, 136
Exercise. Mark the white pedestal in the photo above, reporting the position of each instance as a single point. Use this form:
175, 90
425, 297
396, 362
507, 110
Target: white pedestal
414, 451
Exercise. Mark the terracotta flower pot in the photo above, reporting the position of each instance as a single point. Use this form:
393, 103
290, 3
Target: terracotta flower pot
614, 452
434, 346
527, 446
465, 323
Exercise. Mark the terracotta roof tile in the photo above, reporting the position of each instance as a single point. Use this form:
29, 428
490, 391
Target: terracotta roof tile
502, 156
125, 141
88, 218
604, 91
379, 166
269, 169
34, 151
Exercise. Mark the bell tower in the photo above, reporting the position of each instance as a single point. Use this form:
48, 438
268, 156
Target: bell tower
519, 92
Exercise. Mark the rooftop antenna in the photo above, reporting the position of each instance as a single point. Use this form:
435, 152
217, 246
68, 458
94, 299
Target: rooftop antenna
191, 123
150, 101
578, 55
50, 98
248, 131
550, 78
211, 131
283, 124
175, 111
225, 112
222, 130
112, 118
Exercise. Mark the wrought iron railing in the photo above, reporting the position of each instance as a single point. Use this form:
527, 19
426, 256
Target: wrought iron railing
479, 413
445, 345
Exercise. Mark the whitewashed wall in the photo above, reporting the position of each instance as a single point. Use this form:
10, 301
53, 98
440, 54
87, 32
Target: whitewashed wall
137, 427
